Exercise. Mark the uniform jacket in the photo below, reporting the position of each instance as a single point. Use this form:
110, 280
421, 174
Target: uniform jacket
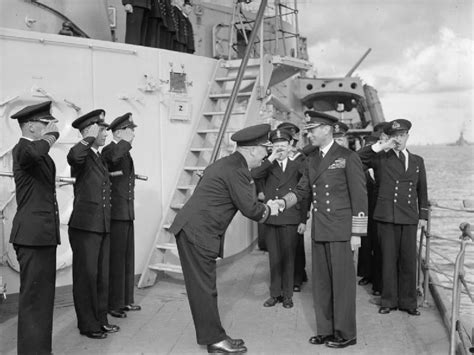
139, 3
402, 196
91, 208
225, 187
36, 222
336, 187
118, 158
278, 183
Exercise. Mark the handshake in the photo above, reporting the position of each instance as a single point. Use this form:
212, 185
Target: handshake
276, 206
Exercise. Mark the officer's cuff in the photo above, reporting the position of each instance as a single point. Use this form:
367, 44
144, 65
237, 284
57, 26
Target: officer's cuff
359, 224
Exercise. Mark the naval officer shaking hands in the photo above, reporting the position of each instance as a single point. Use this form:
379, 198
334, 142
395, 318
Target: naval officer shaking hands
225, 188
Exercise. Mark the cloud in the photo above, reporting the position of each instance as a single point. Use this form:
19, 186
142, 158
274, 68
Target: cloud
437, 67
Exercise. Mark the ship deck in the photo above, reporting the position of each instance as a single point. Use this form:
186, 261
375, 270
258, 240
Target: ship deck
164, 325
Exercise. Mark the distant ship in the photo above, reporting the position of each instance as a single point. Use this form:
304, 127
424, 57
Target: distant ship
461, 141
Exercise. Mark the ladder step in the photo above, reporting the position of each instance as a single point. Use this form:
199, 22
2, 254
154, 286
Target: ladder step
236, 63
221, 113
177, 206
186, 187
215, 130
166, 267
208, 149
166, 246
195, 168
232, 78
227, 95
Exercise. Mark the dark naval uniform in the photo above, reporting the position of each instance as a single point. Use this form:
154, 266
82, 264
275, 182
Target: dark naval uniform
89, 229
122, 244
402, 200
281, 231
225, 188
300, 256
336, 185
137, 22
35, 233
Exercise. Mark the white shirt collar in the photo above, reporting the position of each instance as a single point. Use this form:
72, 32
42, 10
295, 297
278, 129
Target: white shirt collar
27, 138
95, 150
325, 150
283, 162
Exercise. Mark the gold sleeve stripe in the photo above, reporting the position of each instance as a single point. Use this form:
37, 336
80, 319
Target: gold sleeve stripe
359, 224
49, 139
83, 142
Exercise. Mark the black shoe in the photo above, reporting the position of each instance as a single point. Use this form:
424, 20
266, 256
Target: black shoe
110, 328
287, 302
296, 288
95, 335
226, 347
376, 293
272, 301
340, 343
320, 339
236, 342
117, 313
364, 281
131, 307
386, 310
412, 311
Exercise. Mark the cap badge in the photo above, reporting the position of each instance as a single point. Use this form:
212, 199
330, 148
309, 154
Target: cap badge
395, 125
102, 116
278, 133
130, 119
307, 118
337, 129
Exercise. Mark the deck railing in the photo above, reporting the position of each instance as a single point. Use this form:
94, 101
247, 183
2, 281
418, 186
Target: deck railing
459, 335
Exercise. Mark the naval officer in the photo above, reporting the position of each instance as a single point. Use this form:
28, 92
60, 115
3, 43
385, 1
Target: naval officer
122, 242
402, 205
89, 227
35, 229
334, 180
225, 188
280, 175
300, 258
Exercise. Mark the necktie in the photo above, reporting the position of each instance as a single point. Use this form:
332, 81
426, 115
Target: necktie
401, 156
281, 165
321, 154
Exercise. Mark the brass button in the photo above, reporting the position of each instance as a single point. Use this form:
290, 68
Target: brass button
327, 202
329, 210
395, 201
326, 186
327, 193
315, 210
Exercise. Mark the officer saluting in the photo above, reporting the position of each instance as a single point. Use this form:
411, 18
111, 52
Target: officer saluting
199, 227
122, 243
35, 230
402, 204
89, 227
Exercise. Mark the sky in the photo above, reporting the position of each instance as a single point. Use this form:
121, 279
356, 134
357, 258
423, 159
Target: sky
421, 61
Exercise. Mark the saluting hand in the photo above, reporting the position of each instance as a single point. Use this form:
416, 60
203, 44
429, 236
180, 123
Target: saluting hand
51, 127
128, 135
92, 131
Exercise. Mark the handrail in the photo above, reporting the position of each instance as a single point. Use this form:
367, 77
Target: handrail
460, 284
238, 81
458, 277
